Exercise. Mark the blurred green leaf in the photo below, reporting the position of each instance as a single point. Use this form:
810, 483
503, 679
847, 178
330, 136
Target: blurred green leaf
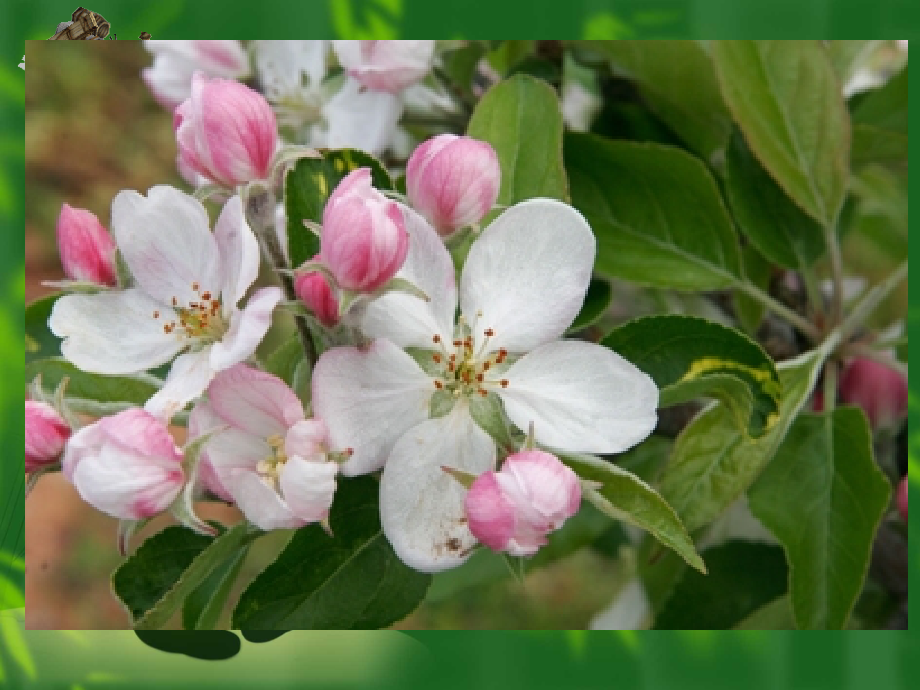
678, 82
522, 120
623, 496
352, 580
309, 184
460, 65
84, 389
714, 462
597, 301
780, 230
690, 358
656, 212
777, 615
848, 56
743, 577
646, 460
824, 497
880, 122
778, 92
758, 272
289, 364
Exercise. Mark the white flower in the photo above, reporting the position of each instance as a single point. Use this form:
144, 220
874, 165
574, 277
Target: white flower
523, 284
170, 77
188, 284
291, 74
22, 65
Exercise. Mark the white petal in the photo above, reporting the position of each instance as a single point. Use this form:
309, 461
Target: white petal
190, 375
260, 503
283, 64
308, 487
580, 397
528, 274
254, 401
238, 250
421, 506
361, 119
167, 243
410, 321
367, 400
114, 332
232, 449
247, 328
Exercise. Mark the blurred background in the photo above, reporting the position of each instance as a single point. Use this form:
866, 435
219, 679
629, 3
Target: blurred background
92, 129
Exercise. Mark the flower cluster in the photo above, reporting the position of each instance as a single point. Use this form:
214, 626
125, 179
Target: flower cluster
460, 389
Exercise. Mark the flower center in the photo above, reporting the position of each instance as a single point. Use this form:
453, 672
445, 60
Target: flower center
270, 468
465, 370
200, 320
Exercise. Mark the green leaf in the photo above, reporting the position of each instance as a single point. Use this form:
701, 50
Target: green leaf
823, 497
521, 119
202, 608
779, 229
880, 123
758, 272
848, 56
714, 462
646, 460
289, 364
656, 212
308, 185
353, 580
786, 98
168, 567
623, 496
460, 65
87, 392
743, 577
678, 82
777, 615
689, 357
597, 301
41, 343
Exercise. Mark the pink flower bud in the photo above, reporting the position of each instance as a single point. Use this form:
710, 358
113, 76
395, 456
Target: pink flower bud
385, 65
878, 389
87, 249
127, 466
46, 433
902, 498
364, 239
453, 181
314, 291
225, 131
515, 508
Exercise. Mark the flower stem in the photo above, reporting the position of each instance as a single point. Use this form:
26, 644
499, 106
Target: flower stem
259, 213
781, 309
872, 300
833, 248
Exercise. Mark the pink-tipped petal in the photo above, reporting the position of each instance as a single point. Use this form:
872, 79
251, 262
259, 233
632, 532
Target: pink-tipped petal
45, 435
87, 250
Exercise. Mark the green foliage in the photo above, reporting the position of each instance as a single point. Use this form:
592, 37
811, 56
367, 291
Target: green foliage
657, 214
689, 357
742, 577
597, 301
623, 496
823, 497
521, 119
309, 184
352, 580
781, 231
167, 568
41, 343
714, 462
880, 126
92, 393
203, 607
678, 83
778, 92
289, 364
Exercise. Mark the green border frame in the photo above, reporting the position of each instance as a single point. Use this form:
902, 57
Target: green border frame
815, 661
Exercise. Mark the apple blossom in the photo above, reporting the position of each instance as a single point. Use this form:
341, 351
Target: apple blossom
513, 509
265, 455
385, 65
453, 181
902, 498
170, 77
127, 465
878, 389
225, 131
314, 291
291, 74
188, 285
45, 435
87, 250
363, 240
523, 283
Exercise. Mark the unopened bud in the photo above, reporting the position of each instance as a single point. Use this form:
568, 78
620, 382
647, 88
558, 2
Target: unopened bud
314, 291
87, 249
46, 432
